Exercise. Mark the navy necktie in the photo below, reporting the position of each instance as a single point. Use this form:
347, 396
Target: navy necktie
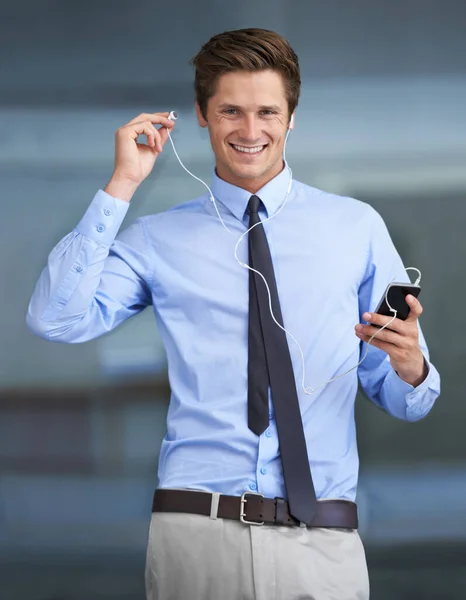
269, 361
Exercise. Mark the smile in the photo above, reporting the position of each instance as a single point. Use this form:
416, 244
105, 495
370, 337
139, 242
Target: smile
248, 149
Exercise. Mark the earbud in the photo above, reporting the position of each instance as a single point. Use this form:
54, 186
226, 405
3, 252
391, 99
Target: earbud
291, 123
173, 116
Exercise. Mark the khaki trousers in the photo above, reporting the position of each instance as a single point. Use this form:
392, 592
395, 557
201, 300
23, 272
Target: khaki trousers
192, 557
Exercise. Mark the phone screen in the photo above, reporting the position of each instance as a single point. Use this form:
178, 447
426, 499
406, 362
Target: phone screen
396, 297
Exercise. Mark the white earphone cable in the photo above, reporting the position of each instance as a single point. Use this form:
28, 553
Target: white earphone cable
307, 390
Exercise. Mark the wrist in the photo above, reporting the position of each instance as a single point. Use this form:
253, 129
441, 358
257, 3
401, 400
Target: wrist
416, 375
123, 189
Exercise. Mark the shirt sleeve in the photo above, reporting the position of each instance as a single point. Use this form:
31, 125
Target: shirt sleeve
93, 279
378, 379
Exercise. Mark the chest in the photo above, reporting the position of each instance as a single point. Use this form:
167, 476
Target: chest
318, 269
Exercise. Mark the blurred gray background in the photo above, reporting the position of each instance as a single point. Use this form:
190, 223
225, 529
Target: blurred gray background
382, 118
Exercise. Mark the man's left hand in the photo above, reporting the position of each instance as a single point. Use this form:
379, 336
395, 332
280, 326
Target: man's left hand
400, 341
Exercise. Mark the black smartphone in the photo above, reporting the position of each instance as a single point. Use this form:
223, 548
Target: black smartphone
397, 293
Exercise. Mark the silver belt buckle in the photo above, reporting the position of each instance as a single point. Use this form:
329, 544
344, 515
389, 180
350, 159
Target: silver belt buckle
242, 512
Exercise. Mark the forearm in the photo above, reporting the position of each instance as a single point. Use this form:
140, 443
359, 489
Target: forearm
65, 291
397, 397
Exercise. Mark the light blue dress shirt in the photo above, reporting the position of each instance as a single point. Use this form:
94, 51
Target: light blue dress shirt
333, 259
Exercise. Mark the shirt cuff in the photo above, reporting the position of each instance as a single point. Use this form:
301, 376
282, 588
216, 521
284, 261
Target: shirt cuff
417, 400
102, 220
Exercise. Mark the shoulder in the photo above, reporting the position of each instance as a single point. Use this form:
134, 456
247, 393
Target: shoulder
182, 212
336, 205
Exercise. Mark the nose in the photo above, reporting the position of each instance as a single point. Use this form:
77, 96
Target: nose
250, 128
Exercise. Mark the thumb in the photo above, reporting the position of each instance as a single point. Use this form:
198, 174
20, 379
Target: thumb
163, 135
415, 308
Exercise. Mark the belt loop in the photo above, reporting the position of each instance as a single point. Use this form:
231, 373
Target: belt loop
214, 505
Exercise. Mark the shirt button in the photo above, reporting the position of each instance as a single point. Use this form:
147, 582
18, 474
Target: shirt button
270, 415
268, 433
263, 470
107, 212
252, 486
100, 228
79, 268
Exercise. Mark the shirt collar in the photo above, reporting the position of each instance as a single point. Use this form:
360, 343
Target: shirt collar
236, 199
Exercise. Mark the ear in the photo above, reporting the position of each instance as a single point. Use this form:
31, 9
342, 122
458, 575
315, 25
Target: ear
291, 123
202, 122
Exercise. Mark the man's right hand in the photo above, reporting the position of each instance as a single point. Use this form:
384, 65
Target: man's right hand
135, 161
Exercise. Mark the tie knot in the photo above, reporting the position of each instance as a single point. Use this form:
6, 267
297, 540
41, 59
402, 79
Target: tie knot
254, 204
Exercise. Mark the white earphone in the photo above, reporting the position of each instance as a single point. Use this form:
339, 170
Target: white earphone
307, 390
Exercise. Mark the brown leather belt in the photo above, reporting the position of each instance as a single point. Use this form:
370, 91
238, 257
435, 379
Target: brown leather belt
253, 509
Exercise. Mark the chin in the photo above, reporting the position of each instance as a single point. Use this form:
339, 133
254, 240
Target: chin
249, 172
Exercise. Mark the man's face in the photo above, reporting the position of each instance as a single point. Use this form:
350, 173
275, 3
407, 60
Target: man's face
247, 120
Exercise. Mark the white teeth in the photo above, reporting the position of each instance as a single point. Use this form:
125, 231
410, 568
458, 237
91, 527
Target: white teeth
252, 150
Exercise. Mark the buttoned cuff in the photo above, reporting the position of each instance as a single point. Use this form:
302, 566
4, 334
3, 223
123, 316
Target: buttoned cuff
102, 220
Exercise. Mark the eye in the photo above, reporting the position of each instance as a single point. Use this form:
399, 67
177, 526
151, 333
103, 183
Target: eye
268, 112
230, 111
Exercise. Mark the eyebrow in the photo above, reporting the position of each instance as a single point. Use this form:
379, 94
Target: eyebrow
273, 107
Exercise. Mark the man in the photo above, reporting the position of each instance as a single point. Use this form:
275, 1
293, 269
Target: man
257, 476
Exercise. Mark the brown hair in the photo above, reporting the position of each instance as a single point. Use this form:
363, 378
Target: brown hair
245, 50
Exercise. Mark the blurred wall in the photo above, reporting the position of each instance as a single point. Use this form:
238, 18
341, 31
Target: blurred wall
381, 118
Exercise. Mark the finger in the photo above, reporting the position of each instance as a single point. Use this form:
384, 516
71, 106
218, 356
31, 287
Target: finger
161, 137
385, 346
415, 306
381, 320
163, 132
384, 335
148, 117
158, 146
145, 128
155, 118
